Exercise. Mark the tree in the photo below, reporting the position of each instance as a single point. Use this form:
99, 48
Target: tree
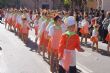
3, 3
67, 4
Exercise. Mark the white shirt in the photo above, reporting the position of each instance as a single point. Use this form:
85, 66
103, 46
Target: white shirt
48, 26
18, 19
109, 28
41, 28
84, 22
94, 32
51, 31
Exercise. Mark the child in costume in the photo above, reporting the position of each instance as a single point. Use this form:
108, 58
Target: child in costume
25, 29
42, 34
84, 29
55, 32
66, 50
94, 37
36, 26
18, 23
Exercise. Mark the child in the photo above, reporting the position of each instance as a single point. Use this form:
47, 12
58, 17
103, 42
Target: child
25, 29
18, 24
94, 37
36, 25
66, 50
84, 29
55, 32
108, 39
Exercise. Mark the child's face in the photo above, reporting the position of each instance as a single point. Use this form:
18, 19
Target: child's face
59, 21
72, 28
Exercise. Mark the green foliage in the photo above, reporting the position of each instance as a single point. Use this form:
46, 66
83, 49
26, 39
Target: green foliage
66, 2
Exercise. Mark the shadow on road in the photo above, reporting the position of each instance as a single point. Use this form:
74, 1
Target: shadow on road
103, 52
32, 45
0, 48
88, 45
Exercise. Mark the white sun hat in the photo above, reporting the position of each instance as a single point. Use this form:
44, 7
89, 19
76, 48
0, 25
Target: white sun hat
70, 21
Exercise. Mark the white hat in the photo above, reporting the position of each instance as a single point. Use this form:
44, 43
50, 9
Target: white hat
70, 21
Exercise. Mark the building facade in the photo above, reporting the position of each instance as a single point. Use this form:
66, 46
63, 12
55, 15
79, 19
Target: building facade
57, 4
103, 4
40, 3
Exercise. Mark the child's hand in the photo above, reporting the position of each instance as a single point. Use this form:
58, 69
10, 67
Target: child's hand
59, 57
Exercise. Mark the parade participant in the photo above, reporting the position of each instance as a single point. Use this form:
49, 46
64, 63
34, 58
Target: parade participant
36, 26
55, 32
66, 50
41, 19
10, 20
25, 29
108, 39
18, 23
14, 21
94, 37
42, 34
105, 23
51, 22
6, 18
45, 33
84, 29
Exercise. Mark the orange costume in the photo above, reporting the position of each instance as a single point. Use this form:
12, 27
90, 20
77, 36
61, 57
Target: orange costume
42, 40
85, 27
108, 35
25, 27
94, 37
68, 43
55, 38
10, 20
14, 21
18, 23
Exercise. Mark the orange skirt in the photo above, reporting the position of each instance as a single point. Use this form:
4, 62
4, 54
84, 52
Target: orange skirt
83, 31
94, 39
18, 26
49, 45
108, 37
25, 30
43, 41
55, 50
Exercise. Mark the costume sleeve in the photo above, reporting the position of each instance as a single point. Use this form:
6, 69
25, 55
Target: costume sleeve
77, 42
51, 31
62, 45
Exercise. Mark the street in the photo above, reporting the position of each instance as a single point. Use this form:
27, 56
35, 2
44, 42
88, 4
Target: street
16, 57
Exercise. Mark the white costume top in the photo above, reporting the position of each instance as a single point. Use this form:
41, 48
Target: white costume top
94, 32
109, 28
84, 22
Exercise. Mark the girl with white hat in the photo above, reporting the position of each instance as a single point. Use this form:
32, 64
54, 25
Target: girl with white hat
68, 43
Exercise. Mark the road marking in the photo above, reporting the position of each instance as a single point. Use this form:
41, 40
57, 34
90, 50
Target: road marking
83, 68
